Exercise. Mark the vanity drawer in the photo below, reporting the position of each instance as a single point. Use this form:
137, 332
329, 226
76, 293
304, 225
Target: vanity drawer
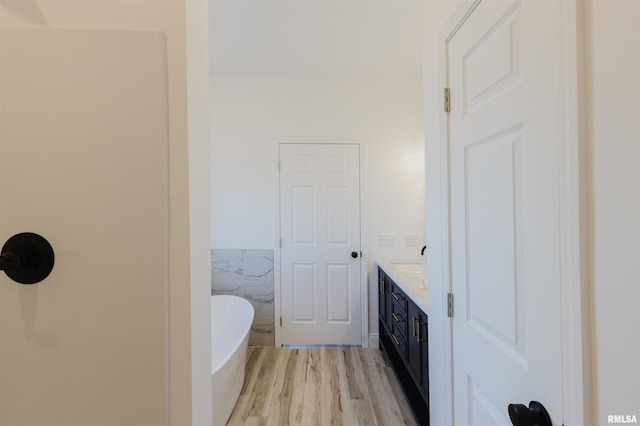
398, 339
398, 296
399, 315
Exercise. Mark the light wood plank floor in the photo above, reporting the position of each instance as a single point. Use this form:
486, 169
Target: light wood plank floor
320, 386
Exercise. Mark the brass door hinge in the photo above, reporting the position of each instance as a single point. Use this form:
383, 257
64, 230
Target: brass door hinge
447, 99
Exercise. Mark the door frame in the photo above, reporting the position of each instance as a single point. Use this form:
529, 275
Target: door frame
574, 227
277, 281
197, 309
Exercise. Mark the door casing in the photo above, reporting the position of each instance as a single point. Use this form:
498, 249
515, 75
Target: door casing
574, 233
363, 243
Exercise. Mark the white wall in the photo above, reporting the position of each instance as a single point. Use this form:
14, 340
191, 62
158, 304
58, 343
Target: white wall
167, 16
252, 113
614, 65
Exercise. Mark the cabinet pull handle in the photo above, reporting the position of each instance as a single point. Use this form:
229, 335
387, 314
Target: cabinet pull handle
381, 285
395, 339
419, 337
395, 317
413, 320
395, 296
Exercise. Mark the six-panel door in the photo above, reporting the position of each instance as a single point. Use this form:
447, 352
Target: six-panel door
504, 67
321, 300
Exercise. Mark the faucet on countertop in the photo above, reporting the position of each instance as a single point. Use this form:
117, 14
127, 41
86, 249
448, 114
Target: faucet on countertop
422, 251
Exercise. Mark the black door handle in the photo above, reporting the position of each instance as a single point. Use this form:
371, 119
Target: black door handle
533, 415
354, 254
27, 258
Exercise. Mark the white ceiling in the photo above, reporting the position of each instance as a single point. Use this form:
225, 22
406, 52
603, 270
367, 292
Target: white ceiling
316, 36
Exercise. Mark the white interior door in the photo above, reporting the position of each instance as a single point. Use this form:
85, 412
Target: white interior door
83, 162
503, 73
320, 230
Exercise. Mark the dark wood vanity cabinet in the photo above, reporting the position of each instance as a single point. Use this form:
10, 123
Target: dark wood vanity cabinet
403, 337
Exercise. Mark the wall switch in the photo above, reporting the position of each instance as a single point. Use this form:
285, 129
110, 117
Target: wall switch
386, 240
410, 240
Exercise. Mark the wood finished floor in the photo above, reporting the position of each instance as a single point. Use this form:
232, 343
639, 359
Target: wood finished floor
320, 386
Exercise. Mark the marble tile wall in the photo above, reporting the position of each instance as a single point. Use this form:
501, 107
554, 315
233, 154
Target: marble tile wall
248, 274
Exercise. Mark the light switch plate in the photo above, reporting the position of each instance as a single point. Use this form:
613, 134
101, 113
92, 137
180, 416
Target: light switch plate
386, 240
410, 240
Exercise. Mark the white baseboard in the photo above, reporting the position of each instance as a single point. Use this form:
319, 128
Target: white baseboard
374, 340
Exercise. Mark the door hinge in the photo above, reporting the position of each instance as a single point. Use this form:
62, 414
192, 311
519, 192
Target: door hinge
278, 166
280, 243
447, 99
280, 321
450, 305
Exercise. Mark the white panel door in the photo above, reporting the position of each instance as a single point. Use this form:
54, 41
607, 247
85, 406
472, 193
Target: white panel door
83, 162
503, 73
320, 230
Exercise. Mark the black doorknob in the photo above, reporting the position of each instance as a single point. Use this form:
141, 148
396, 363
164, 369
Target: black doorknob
354, 254
27, 258
533, 415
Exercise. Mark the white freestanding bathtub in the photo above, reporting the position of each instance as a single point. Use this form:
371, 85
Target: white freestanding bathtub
231, 319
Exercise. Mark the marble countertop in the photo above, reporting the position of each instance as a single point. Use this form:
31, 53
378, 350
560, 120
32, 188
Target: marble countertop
410, 276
